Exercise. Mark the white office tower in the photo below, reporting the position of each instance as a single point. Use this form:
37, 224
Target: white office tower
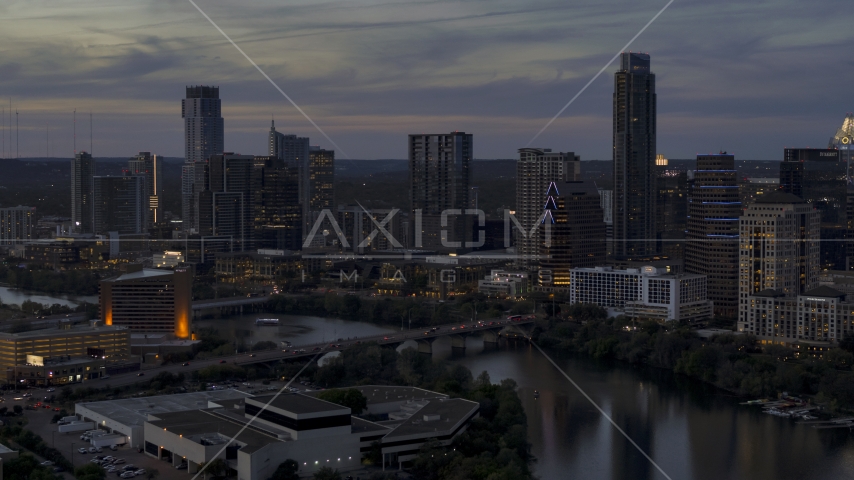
536, 169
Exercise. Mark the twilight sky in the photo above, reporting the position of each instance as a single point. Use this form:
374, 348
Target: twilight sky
747, 77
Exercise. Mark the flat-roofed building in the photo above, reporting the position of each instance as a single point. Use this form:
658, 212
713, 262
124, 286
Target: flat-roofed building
647, 292
16, 224
110, 343
313, 432
149, 300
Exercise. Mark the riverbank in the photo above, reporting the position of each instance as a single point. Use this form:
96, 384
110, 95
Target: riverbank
732, 363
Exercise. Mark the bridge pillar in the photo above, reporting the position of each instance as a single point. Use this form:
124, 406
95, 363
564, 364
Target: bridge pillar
458, 342
490, 336
425, 345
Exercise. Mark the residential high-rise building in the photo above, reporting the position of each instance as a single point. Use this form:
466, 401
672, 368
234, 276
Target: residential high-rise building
203, 123
779, 256
321, 182
120, 204
151, 167
573, 234
295, 151
226, 205
819, 176
634, 134
671, 209
439, 178
536, 169
16, 224
712, 239
357, 225
82, 171
203, 137
278, 220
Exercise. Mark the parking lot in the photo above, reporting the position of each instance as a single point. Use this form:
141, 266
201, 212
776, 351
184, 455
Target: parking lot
68, 443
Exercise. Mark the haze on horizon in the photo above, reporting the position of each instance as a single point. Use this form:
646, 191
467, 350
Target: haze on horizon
749, 78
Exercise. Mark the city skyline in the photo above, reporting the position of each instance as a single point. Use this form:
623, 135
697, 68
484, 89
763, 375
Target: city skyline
495, 78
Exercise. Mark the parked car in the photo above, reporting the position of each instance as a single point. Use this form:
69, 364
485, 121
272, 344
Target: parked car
51, 389
81, 450
93, 450
127, 475
98, 449
118, 461
141, 471
181, 467
113, 448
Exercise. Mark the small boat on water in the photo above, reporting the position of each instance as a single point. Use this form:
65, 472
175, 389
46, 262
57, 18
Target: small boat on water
267, 321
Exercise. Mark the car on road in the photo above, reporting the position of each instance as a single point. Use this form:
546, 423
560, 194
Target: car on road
252, 355
185, 364
82, 450
315, 349
222, 361
51, 389
56, 409
18, 398
140, 374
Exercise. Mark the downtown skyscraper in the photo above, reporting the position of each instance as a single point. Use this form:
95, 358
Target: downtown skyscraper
439, 179
151, 168
634, 133
294, 151
82, 171
712, 240
536, 170
203, 138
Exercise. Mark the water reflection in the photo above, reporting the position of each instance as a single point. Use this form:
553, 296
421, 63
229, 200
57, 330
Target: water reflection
692, 431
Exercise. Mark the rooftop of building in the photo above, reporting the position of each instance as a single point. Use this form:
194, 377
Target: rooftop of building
51, 332
140, 274
378, 394
364, 426
779, 197
824, 292
5, 449
437, 415
207, 427
135, 411
770, 293
298, 403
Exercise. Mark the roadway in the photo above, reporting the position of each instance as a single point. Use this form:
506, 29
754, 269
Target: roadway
308, 350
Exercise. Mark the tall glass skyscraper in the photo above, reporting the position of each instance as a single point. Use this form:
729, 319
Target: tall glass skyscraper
203, 138
82, 171
634, 157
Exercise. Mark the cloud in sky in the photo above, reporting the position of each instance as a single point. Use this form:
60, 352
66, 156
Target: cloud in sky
748, 77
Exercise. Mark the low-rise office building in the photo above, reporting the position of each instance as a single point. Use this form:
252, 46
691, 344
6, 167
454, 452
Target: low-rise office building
128, 415
647, 292
310, 431
502, 283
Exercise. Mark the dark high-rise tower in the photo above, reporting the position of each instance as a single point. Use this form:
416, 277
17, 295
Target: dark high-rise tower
712, 247
278, 220
439, 178
203, 138
294, 151
321, 180
82, 171
203, 124
150, 166
120, 204
634, 157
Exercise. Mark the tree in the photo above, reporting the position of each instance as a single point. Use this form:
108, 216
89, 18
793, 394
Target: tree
152, 473
327, 473
90, 471
349, 397
287, 470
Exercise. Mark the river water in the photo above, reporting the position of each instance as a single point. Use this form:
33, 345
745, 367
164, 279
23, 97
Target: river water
16, 297
692, 431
